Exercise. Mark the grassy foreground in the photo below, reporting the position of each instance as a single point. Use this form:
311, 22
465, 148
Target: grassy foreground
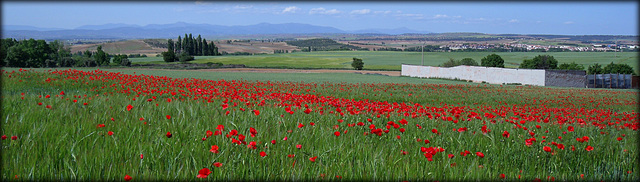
101, 125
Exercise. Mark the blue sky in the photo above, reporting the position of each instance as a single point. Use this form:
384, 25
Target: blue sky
568, 18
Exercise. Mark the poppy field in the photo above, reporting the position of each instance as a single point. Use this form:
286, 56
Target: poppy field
102, 125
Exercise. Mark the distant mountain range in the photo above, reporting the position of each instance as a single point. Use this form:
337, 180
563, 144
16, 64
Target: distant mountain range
130, 31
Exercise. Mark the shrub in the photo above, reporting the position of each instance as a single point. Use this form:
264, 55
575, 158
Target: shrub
184, 57
357, 64
492, 60
572, 66
468, 62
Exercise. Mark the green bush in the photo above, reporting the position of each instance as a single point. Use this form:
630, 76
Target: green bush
492, 60
357, 63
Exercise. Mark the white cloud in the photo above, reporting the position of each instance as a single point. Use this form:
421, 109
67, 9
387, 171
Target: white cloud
242, 7
382, 12
290, 9
323, 11
568, 22
361, 12
440, 16
513, 21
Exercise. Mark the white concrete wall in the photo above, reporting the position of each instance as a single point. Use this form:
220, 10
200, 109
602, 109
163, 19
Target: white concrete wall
478, 74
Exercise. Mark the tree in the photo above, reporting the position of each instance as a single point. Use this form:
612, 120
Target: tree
618, 68
595, 69
184, 57
168, 56
450, 63
178, 45
492, 60
468, 62
358, 64
571, 66
5, 44
540, 62
198, 46
101, 57
204, 49
170, 46
59, 51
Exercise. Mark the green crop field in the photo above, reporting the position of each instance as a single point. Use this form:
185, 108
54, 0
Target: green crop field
106, 125
389, 60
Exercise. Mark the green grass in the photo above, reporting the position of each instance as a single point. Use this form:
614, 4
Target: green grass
390, 60
64, 143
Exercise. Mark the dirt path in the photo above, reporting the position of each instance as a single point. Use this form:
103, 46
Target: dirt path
264, 70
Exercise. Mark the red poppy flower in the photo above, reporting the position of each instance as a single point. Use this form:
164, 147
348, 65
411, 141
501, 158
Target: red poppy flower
127, 177
220, 128
110, 133
546, 149
169, 135
619, 138
307, 111
403, 152
299, 146
313, 159
589, 148
256, 112
462, 129
252, 145
398, 137
300, 125
291, 155
506, 134
241, 137
141, 156
203, 173
4, 137
168, 117
273, 142
337, 133
401, 130
253, 131
14, 137
434, 131
285, 138
480, 154
214, 149
570, 128
502, 176
451, 156
129, 107
209, 133
263, 154
560, 146
217, 164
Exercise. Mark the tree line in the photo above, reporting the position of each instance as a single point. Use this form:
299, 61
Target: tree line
33, 53
543, 62
186, 47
